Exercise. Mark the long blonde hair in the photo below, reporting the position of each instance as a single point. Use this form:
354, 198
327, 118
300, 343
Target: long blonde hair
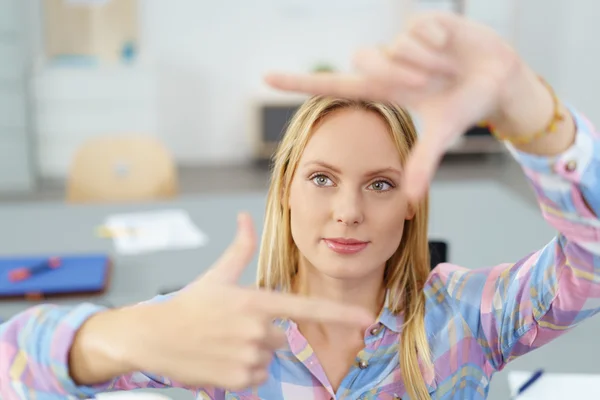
407, 269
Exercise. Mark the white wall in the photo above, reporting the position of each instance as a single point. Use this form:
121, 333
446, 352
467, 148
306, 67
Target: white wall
203, 62
16, 164
558, 39
580, 56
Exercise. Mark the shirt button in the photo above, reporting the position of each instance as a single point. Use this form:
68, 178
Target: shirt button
571, 166
375, 331
363, 364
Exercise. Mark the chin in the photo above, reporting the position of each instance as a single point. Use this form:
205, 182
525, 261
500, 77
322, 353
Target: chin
349, 268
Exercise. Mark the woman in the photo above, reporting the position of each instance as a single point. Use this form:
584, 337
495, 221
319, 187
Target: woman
346, 221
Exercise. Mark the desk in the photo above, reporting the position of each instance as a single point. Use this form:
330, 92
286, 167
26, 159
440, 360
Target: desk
56, 227
53, 227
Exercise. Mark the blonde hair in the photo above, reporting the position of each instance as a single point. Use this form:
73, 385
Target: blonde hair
407, 269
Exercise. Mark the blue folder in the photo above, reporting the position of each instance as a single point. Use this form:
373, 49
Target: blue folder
78, 274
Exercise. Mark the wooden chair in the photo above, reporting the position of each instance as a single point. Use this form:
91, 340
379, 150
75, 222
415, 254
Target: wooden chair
122, 169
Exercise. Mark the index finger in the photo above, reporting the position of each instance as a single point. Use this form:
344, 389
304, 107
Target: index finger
310, 309
329, 84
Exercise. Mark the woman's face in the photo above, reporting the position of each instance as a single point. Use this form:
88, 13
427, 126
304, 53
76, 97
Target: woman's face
346, 207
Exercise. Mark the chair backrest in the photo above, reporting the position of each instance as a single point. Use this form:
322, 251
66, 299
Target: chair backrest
438, 252
122, 169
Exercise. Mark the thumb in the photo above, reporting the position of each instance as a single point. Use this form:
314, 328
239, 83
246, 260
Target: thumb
437, 134
421, 166
442, 123
238, 255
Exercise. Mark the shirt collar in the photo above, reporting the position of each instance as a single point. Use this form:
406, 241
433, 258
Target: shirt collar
391, 321
386, 317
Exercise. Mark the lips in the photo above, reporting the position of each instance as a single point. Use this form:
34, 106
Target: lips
345, 245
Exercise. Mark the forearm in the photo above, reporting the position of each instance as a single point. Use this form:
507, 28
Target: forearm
103, 346
556, 288
35, 346
76, 351
117, 349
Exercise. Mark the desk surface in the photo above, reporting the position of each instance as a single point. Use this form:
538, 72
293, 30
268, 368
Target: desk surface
56, 227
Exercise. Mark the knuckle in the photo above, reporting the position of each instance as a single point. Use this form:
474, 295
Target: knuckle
253, 356
245, 302
257, 331
241, 378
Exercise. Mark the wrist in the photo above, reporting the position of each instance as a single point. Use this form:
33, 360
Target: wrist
531, 117
106, 346
525, 104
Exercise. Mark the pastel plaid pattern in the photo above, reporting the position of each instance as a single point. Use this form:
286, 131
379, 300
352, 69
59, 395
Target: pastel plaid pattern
477, 320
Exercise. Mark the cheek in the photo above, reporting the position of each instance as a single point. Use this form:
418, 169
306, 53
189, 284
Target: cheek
305, 212
390, 220
307, 203
303, 228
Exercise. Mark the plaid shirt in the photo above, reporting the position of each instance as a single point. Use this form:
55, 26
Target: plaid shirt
476, 320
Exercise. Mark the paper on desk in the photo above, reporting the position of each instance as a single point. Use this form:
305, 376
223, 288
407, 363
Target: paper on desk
555, 386
144, 232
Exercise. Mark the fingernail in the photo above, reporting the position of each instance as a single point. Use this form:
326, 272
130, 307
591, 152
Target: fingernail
435, 34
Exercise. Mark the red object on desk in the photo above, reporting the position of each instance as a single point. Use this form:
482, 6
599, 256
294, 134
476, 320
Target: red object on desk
23, 273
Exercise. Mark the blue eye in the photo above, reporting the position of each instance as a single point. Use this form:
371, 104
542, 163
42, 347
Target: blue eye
380, 186
321, 180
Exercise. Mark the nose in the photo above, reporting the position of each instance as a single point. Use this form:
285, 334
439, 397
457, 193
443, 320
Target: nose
348, 208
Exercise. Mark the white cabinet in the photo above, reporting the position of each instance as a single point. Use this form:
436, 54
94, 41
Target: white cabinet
16, 167
73, 104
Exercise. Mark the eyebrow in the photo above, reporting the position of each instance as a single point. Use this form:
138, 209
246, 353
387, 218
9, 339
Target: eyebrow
337, 170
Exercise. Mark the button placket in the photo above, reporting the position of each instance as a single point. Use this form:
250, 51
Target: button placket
571, 166
376, 330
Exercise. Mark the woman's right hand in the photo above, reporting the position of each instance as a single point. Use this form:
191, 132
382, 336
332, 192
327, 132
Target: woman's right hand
212, 333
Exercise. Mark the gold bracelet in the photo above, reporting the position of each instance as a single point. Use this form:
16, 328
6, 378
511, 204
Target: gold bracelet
551, 127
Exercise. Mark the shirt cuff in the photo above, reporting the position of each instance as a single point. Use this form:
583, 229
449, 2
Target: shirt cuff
572, 164
62, 341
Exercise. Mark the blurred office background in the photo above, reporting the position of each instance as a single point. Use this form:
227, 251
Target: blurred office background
189, 74
83, 84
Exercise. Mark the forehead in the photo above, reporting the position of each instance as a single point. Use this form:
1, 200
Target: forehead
353, 138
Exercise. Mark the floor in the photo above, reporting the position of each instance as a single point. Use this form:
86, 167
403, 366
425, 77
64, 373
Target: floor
241, 178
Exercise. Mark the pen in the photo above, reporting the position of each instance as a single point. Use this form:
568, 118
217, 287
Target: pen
108, 233
23, 273
536, 375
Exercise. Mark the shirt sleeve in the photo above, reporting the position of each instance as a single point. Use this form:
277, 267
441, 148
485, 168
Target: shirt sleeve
35, 346
515, 308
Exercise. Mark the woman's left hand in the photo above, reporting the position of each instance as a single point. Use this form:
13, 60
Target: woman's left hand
453, 73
